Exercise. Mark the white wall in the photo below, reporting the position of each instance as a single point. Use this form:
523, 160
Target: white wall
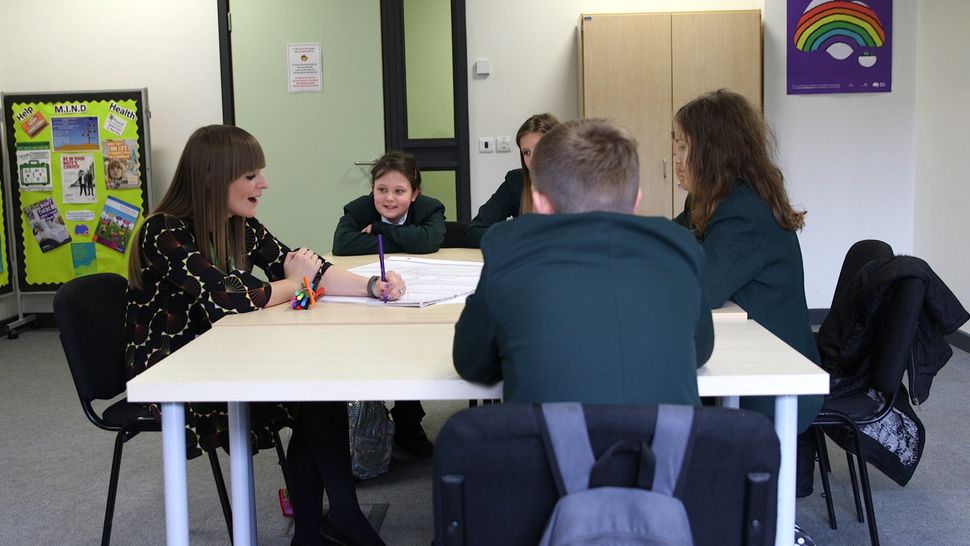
169, 46
532, 46
849, 159
942, 137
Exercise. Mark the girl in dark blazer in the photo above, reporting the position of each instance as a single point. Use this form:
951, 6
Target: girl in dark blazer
409, 222
741, 213
514, 196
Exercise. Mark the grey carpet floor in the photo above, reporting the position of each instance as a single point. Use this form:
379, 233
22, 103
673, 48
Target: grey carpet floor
54, 472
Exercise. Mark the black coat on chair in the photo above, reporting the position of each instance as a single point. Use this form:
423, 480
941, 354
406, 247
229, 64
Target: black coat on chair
888, 320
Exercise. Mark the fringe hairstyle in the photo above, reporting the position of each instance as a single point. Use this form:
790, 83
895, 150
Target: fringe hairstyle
401, 162
213, 158
537, 123
727, 140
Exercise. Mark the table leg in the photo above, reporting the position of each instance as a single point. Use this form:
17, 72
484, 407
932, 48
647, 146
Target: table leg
176, 479
786, 426
241, 468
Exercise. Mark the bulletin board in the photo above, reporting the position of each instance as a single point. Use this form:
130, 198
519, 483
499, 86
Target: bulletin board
80, 182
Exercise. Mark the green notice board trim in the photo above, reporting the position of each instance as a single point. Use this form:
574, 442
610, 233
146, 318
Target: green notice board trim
5, 285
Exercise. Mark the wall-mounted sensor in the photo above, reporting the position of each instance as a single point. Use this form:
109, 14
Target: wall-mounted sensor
483, 67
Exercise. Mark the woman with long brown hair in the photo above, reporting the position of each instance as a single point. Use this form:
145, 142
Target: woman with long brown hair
740, 212
192, 265
514, 196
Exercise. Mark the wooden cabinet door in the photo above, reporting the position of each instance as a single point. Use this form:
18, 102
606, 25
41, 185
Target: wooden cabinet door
711, 50
625, 76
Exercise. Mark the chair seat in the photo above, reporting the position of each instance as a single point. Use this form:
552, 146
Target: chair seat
858, 407
123, 412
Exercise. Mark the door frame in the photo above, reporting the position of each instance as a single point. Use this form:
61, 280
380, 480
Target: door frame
433, 154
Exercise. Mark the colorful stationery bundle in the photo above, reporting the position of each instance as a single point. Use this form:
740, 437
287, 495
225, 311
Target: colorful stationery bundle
306, 296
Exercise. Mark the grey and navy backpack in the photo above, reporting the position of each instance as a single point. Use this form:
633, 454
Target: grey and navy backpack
593, 511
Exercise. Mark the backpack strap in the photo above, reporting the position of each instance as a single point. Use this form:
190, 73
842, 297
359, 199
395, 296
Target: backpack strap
670, 444
564, 432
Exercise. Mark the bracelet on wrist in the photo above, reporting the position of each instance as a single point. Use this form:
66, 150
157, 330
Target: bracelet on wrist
370, 286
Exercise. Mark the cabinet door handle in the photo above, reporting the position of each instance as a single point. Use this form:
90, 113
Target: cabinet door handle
366, 163
665, 168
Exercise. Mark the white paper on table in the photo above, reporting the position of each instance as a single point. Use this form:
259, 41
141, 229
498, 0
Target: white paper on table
428, 281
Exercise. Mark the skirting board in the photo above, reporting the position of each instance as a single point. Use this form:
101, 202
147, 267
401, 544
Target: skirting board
816, 316
960, 340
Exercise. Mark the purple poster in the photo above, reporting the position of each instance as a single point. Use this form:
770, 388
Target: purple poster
836, 46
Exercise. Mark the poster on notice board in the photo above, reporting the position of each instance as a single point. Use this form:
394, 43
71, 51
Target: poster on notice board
835, 46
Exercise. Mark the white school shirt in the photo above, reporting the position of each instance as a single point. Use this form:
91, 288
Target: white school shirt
400, 222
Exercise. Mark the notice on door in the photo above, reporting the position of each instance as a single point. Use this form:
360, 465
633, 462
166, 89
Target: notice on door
304, 67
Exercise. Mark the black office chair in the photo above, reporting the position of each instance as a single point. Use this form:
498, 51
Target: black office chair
493, 484
455, 235
90, 313
858, 255
888, 359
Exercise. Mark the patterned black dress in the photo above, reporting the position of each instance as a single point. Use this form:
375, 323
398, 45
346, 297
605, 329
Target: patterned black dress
182, 294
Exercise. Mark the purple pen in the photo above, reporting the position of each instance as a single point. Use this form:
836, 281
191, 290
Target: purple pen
380, 255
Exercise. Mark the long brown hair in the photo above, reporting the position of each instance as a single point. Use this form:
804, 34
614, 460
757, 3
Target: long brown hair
537, 123
213, 157
727, 140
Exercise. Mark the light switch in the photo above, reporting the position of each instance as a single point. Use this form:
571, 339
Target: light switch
503, 144
486, 145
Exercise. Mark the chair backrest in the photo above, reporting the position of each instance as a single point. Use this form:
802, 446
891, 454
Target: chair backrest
857, 256
90, 313
492, 476
455, 235
892, 346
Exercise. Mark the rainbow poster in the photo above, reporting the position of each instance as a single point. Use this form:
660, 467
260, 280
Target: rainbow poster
838, 46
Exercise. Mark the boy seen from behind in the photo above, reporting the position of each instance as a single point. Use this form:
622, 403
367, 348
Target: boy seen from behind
585, 301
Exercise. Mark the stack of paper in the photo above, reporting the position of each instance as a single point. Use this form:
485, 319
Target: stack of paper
428, 281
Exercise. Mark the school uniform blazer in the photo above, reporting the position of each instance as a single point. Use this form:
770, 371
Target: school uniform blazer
758, 264
422, 232
504, 203
596, 307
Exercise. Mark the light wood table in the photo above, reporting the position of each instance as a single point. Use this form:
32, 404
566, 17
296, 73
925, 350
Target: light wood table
241, 362
346, 313
457, 254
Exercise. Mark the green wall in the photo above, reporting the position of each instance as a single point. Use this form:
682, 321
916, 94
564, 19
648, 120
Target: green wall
311, 140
